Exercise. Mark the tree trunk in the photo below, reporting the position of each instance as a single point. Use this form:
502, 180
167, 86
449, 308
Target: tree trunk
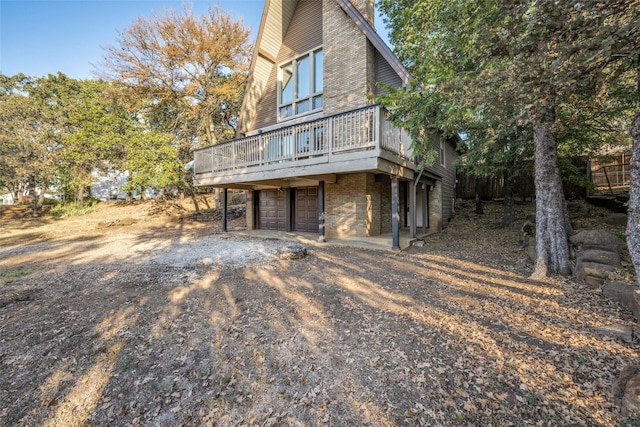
478, 200
217, 198
33, 197
552, 246
40, 202
508, 213
195, 200
80, 197
633, 223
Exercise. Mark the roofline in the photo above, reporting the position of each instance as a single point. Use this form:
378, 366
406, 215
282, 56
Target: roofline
376, 40
256, 53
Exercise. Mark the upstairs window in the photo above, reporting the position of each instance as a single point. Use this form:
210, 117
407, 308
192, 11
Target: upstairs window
300, 85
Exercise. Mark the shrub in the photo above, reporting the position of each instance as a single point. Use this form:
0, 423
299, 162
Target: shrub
64, 210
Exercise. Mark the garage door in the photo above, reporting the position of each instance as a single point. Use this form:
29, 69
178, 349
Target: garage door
306, 209
272, 211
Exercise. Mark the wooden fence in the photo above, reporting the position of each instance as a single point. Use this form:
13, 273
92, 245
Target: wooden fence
613, 175
490, 188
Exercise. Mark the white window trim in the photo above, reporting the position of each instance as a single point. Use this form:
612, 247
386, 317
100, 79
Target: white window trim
443, 152
312, 95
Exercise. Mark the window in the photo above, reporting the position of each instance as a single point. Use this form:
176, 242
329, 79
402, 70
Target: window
300, 85
442, 150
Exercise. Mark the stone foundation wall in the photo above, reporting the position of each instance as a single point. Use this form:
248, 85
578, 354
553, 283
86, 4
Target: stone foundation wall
358, 205
251, 225
346, 206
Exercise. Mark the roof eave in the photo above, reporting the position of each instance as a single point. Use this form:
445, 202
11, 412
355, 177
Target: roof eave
376, 40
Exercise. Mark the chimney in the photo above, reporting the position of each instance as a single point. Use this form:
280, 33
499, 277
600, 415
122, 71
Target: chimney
366, 8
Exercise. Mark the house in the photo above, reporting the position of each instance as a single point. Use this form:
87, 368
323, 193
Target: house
108, 185
314, 152
7, 199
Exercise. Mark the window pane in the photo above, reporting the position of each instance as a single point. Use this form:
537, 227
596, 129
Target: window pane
317, 102
303, 77
302, 107
317, 87
286, 91
286, 111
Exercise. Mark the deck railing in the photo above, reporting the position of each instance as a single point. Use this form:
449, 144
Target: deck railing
363, 129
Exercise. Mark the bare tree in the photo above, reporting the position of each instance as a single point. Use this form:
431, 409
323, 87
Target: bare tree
186, 74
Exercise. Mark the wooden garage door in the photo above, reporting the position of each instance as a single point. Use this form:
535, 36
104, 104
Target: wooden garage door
306, 209
272, 212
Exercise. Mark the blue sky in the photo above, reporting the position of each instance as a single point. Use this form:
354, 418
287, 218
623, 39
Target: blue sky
40, 37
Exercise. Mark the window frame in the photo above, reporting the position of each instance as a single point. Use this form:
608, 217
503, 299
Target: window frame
295, 100
443, 150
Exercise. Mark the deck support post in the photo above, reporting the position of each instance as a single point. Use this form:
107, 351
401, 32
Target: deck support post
225, 205
395, 215
413, 212
425, 208
289, 194
321, 236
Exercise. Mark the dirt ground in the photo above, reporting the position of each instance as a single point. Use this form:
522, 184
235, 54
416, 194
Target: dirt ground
120, 317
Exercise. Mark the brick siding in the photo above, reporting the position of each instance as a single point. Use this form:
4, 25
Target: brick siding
358, 205
349, 72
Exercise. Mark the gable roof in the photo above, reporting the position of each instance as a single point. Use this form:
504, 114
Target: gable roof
275, 21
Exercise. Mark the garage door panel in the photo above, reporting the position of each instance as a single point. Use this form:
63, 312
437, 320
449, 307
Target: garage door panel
272, 211
306, 209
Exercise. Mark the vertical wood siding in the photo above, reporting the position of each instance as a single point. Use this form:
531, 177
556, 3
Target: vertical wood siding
385, 74
303, 34
448, 174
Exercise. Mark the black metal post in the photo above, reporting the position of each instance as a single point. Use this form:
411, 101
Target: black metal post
321, 237
395, 216
425, 208
224, 208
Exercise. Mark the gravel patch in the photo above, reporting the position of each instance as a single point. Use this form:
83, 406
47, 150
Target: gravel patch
218, 251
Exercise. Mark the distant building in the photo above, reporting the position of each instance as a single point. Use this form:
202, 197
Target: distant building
7, 199
109, 186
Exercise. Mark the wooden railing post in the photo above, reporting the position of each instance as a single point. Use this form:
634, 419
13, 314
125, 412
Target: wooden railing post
234, 154
330, 138
377, 118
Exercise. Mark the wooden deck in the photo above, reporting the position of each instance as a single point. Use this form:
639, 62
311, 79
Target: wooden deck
357, 140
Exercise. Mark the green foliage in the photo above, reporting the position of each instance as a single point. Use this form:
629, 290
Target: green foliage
490, 69
11, 276
64, 210
185, 74
187, 92
152, 162
58, 131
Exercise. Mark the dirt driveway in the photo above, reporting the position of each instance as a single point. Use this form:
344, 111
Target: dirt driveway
173, 323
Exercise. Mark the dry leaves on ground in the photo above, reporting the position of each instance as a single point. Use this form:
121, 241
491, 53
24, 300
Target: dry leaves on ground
452, 333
